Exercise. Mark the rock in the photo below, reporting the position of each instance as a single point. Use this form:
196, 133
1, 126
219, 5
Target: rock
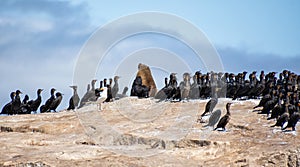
119, 135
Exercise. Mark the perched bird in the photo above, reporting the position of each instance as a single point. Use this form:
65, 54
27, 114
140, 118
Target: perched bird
34, 104
292, 122
74, 100
210, 105
25, 109
102, 97
185, 86
109, 94
225, 119
89, 95
119, 96
214, 118
55, 103
7, 109
162, 93
263, 101
115, 88
283, 118
46, 106
16, 105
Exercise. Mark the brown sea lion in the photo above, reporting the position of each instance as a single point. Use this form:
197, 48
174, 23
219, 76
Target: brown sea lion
145, 73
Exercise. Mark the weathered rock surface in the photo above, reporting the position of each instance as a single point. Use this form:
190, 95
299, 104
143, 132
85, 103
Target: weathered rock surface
141, 132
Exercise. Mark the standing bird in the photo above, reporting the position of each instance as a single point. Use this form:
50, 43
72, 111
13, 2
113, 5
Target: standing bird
89, 95
162, 93
185, 86
283, 118
225, 119
109, 94
16, 105
7, 109
102, 97
292, 122
55, 103
119, 96
46, 106
211, 104
34, 104
263, 101
25, 109
115, 88
74, 100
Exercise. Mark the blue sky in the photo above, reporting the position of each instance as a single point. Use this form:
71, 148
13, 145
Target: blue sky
40, 40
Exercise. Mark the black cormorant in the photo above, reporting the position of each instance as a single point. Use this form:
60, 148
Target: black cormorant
210, 105
7, 109
56, 101
74, 100
292, 122
115, 88
46, 106
225, 119
34, 104
16, 105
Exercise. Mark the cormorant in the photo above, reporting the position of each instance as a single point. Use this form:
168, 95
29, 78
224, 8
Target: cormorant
225, 119
7, 109
119, 96
98, 90
138, 89
25, 108
89, 95
74, 100
34, 104
214, 118
210, 105
185, 86
283, 118
56, 101
46, 106
105, 82
109, 94
115, 88
162, 93
16, 105
263, 101
292, 122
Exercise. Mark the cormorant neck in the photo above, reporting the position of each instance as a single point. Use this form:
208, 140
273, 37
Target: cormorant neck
93, 86
75, 91
228, 109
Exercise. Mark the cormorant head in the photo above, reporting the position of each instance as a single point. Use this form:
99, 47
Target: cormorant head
116, 78
73, 87
18, 92
26, 98
228, 104
58, 94
12, 94
39, 91
52, 90
93, 81
104, 82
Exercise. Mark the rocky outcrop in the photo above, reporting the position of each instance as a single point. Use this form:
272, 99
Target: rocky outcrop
165, 134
